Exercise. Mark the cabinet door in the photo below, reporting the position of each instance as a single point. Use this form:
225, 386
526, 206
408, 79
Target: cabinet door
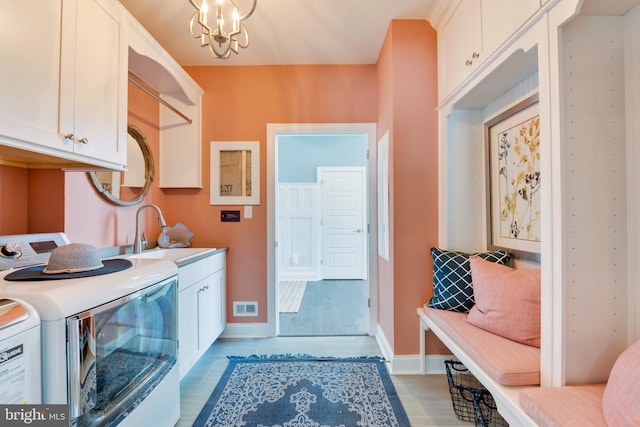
502, 18
210, 310
188, 328
30, 40
206, 314
459, 41
219, 301
92, 92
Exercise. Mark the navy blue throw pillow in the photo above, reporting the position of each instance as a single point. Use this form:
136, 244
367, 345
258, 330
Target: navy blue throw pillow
452, 285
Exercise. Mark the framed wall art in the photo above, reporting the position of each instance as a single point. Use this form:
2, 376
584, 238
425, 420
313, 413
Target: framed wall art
514, 180
235, 173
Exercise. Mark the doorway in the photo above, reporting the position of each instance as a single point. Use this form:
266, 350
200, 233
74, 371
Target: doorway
332, 263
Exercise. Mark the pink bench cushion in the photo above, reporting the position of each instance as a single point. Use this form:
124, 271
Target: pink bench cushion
508, 362
621, 400
570, 406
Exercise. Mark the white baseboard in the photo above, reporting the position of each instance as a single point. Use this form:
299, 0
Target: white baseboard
398, 365
310, 277
385, 347
410, 364
434, 363
247, 330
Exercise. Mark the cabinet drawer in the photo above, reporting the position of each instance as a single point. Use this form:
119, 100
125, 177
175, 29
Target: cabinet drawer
192, 273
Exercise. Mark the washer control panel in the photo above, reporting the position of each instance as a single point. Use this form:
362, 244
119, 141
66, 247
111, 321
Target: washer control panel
22, 250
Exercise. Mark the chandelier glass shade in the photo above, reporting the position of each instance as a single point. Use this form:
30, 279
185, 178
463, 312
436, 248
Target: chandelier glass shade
219, 24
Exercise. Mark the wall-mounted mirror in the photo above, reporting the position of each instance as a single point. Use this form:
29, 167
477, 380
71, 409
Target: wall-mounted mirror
128, 188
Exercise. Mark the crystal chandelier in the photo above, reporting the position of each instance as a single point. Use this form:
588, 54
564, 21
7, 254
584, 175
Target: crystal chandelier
221, 26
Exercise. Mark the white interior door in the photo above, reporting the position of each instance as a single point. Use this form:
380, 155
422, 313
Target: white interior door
344, 230
299, 237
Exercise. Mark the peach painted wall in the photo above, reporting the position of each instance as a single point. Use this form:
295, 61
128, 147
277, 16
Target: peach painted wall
31, 200
238, 103
14, 206
398, 93
46, 197
386, 304
407, 88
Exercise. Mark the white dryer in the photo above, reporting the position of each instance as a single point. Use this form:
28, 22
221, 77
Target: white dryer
20, 368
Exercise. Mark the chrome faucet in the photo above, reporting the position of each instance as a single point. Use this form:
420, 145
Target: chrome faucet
137, 242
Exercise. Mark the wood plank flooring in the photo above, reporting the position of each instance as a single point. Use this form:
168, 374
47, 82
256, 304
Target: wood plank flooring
424, 397
329, 307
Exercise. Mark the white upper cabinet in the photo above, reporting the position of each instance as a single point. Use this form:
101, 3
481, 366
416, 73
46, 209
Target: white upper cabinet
460, 44
474, 30
63, 86
30, 70
93, 102
501, 18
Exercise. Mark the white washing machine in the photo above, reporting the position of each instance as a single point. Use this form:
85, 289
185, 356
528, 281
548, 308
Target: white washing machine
20, 371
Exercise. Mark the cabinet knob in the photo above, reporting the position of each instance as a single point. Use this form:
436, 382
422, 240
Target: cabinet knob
83, 141
68, 136
468, 62
475, 55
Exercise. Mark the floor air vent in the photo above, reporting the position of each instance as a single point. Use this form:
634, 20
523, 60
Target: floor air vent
244, 308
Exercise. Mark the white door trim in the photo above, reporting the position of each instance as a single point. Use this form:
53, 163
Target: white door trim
273, 130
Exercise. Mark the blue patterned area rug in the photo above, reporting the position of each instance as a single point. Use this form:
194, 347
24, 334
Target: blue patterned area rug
296, 391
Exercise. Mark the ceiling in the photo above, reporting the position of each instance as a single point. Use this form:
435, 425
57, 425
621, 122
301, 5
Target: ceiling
285, 31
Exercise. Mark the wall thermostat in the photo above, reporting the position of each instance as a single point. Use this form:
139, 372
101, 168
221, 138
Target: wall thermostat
230, 216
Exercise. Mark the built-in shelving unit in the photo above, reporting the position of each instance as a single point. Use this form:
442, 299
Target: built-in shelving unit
580, 58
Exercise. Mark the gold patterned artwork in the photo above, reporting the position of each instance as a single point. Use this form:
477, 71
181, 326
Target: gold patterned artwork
515, 180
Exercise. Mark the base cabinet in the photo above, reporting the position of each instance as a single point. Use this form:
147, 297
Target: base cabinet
201, 308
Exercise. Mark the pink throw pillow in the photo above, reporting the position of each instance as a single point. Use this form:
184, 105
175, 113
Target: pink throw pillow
507, 301
621, 402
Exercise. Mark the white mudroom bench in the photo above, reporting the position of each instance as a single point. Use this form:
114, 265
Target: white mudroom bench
504, 367
510, 371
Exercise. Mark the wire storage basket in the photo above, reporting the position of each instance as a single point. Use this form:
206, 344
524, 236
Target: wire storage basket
471, 401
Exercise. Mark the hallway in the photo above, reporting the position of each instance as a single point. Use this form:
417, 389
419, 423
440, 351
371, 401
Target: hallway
329, 307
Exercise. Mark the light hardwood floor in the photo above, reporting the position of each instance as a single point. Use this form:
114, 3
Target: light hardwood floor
425, 397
